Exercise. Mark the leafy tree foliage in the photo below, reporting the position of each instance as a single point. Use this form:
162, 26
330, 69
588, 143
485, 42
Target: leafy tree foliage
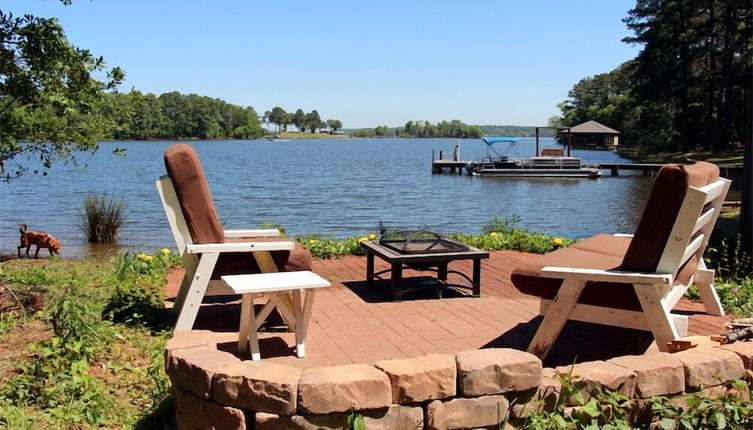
175, 116
679, 93
50, 104
334, 124
313, 121
279, 117
454, 128
300, 119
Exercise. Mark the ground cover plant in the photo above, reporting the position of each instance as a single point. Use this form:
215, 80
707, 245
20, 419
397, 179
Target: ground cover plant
90, 358
606, 409
497, 234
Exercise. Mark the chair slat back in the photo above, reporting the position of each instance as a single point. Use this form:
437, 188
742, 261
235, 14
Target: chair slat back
693, 225
174, 214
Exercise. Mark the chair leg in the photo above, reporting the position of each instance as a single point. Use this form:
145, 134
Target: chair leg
555, 317
195, 293
704, 280
189, 263
657, 314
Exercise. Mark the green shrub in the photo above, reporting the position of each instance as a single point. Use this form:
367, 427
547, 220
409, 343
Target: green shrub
496, 235
724, 412
736, 296
101, 218
501, 234
609, 410
139, 293
328, 248
731, 262
57, 377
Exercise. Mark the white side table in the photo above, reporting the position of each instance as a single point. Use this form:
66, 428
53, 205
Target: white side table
278, 287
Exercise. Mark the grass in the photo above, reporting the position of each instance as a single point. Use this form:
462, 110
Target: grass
75, 364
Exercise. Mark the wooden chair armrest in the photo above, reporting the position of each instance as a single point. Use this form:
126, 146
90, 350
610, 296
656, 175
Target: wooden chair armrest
239, 247
607, 275
267, 232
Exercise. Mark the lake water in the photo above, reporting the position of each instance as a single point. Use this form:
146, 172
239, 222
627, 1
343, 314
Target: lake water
332, 187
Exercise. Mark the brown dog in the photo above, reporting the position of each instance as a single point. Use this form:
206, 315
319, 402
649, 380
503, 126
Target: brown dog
41, 240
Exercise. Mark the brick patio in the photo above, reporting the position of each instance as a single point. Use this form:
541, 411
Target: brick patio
353, 324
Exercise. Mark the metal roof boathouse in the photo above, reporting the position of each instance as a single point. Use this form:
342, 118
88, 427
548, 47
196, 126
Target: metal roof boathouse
591, 135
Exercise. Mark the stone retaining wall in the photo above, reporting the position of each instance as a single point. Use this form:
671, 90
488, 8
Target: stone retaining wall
216, 390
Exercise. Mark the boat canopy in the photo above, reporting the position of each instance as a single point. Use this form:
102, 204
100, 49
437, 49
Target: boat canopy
491, 140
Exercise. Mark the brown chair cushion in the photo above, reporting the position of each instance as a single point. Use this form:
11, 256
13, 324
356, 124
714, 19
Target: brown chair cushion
193, 193
661, 210
602, 252
240, 263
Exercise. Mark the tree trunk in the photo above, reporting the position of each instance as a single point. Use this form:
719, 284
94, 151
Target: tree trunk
727, 102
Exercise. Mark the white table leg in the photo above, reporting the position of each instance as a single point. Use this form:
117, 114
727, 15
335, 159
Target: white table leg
304, 322
247, 320
300, 338
253, 343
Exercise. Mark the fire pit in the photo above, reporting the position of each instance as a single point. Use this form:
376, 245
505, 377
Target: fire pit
420, 242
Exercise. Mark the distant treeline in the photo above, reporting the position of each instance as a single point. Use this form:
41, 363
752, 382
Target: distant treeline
685, 89
516, 131
454, 128
421, 129
174, 115
138, 116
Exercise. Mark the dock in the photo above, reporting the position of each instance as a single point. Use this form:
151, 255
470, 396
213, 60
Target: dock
648, 169
454, 165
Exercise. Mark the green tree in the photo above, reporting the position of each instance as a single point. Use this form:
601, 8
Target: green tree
300, 120
334, 124
279, 117
678, 93
313, 121
51, 106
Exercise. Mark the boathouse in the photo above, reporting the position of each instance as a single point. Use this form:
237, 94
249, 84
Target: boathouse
591, 135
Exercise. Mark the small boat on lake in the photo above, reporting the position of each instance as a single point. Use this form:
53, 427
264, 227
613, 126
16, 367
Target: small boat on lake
276, 138
550, 164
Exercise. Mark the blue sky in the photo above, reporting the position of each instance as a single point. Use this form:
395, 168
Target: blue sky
366, 63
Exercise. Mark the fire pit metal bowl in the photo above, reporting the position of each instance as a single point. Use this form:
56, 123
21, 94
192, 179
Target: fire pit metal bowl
420, 242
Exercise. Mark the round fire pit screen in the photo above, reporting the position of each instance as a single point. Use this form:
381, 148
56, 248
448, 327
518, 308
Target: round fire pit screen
420, 242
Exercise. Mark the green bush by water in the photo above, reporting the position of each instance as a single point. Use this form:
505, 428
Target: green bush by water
101, 217
498, 234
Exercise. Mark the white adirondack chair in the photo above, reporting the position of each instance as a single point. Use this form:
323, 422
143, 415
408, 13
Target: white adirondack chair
658, 291
200, 259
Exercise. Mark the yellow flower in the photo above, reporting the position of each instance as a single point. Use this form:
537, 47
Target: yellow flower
148, 258
164, 251
557, 241
494, 234
312, 241
141, 256
372, 236
363, 239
